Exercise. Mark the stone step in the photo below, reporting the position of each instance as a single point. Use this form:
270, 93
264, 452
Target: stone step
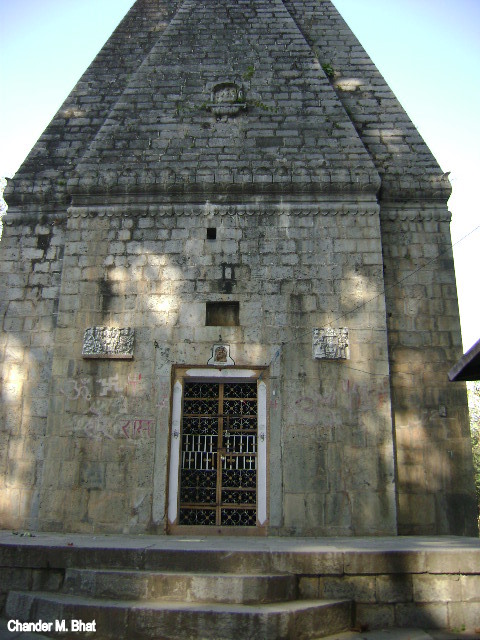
185, 587
245, 557
127, 620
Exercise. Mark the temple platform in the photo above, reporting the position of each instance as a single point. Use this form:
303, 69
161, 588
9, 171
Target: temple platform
221, 587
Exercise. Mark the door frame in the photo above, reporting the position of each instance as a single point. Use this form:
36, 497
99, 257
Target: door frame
212, 373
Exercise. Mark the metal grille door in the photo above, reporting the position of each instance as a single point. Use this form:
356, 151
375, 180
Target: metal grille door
218, 475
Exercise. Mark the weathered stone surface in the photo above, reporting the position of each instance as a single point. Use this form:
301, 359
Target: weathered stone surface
428, 588
181, 587
286, 125
331, 344
385, 128
358, 588
423, 616
451, 562
376, 562
463, 615
106, 342
233, 160
177, 620
377, 616
394, 588
135, 570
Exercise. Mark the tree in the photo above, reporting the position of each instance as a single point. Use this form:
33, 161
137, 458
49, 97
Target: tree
3, 204
473, 390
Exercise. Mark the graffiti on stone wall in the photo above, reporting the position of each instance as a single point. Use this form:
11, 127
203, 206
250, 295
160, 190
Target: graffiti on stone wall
138, 428
163, 396
115, 407
135, 385
78, 389
92, 427
97, 426
110, 385
273, 404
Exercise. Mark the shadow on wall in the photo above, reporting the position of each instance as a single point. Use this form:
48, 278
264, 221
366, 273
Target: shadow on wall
21, 435
108, 425
31, 262
106, 460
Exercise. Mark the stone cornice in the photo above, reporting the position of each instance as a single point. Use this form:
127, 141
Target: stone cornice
211, 210
414, 212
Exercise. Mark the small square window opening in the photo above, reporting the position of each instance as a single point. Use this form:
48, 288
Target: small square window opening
211, 233
222, 314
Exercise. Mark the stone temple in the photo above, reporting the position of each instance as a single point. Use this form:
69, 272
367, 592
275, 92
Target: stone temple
228, 298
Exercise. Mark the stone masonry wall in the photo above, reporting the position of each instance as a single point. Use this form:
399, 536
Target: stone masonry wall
434, 468
31, 253
291, 268
403, 160
407, 583
425, 593
44, 173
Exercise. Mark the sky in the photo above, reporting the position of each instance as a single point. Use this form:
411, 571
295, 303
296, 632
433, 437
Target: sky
427, 50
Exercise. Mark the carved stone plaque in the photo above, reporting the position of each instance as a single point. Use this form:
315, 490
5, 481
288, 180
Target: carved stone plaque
227, 99
107, 342
331, 344
221, 355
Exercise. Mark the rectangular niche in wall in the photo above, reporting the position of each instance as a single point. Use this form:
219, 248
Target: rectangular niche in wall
223, 314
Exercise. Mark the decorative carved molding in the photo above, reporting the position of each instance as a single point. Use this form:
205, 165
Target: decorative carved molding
109, 343
210, 209
221, 355
331, 344
227, 99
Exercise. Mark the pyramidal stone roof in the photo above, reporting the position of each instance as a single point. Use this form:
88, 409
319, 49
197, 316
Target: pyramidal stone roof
231, 95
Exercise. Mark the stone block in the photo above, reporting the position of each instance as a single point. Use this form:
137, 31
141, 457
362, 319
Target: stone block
416, 509
470, 589
92, 475
391, 562
106, 507
21, 473
374, 513
361, 589
302, 454
69, 474
375, 616
19, 605
19, 579
436, 588
308, 588
464, 615
338, 510
47, 579
32, 254
77, 513
294, 509
394, 588
53, 503
422, 616
462, 561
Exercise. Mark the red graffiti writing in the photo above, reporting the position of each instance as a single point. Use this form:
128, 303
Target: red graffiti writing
138, 428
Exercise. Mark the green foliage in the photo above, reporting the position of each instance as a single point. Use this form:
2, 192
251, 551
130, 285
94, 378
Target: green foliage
248, 75
473, 390
261, 105
329, 70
